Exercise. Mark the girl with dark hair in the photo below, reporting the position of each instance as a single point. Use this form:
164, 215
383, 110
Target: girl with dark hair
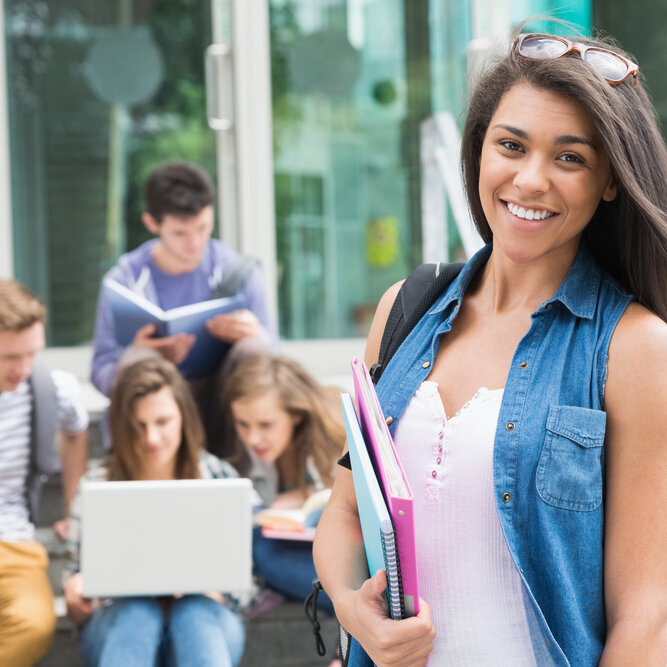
294, 426
528, 404
156, 434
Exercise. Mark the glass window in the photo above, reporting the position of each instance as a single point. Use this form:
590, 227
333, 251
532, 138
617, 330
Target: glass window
639, 26
98, 92
352, 81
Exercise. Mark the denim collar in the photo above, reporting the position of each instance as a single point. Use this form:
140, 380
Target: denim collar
578, 292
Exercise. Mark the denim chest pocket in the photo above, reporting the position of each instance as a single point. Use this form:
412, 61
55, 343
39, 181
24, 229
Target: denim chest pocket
569, 471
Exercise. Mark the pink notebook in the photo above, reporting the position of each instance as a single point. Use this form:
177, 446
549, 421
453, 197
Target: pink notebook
394, 485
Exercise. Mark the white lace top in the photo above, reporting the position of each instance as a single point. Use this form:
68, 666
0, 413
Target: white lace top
465, 569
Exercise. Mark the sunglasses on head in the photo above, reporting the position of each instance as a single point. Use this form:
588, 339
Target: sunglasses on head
612, 66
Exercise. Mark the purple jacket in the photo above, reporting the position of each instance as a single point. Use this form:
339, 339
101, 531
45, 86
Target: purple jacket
133, 270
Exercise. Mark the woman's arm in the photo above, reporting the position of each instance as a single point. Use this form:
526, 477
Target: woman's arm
340, 561
635, 553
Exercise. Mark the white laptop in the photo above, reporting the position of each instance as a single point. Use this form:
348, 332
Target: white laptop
166, 537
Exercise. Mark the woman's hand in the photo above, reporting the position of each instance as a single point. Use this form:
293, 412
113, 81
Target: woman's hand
79, 608
235, 326
405, 643
340, 561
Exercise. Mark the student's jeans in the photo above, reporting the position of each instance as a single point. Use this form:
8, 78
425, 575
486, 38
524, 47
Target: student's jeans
195, 632
287, 567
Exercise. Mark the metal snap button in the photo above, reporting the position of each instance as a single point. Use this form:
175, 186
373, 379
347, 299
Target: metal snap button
523, 364
389, 420
506, 497
510, 426
426, 364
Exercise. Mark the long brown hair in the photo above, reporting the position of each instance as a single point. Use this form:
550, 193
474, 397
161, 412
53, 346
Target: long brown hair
135, 382
628, 236
319, 432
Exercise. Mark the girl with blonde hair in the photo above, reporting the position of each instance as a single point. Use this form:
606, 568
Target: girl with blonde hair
294, 427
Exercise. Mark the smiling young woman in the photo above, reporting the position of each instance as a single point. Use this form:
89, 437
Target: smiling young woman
533, 439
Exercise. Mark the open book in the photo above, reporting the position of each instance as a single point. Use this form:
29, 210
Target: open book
294, 523
131, 311
392, 479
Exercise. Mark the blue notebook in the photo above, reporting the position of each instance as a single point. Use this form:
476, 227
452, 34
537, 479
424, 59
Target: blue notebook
376, 526
131, 311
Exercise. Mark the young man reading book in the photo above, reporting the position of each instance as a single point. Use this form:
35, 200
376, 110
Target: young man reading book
36, 406
183, 265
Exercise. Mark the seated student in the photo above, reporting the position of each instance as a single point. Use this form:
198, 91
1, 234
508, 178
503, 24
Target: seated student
285, 419
181, 266
156, 434
36, 405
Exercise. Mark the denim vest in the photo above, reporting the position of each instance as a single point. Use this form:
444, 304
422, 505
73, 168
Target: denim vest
548, 460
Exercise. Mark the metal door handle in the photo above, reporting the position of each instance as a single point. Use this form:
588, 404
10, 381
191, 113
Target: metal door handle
219, 87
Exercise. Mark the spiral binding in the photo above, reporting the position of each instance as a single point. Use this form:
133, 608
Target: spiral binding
396, 607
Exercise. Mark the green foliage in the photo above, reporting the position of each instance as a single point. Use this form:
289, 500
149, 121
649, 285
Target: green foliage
284, 31
172, 125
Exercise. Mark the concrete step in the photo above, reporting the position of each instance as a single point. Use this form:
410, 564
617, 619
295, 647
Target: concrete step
64, 651
57, 557
281, 637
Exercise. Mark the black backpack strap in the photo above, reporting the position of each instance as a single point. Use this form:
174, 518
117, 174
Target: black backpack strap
311, 603
417, 294
411, 290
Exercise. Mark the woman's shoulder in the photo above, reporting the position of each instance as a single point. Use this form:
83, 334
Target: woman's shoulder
211, 467
638, 326
638, 354
379, 321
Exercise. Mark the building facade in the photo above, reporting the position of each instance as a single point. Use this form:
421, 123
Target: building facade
313, 115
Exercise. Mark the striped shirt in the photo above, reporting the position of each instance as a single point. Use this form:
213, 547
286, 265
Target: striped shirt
15, 430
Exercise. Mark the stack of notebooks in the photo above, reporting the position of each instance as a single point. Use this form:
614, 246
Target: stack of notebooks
384, 498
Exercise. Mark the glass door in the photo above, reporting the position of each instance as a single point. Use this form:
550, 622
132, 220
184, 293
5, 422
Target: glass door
352, 82
336, 198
